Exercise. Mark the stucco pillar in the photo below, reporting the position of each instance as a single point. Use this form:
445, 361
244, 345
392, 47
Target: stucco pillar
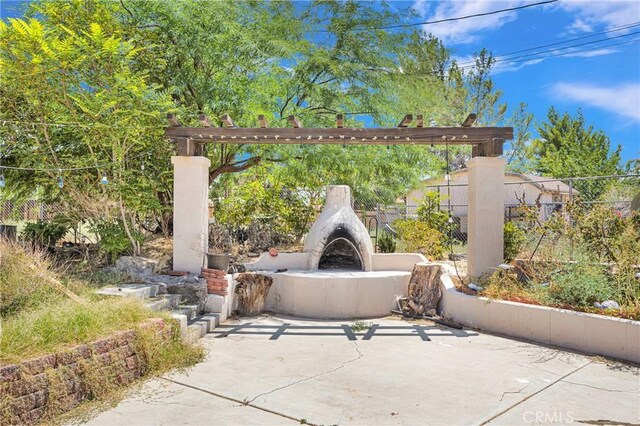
190, 212
485, 214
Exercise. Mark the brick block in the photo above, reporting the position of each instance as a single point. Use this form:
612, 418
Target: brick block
38, 365
41, 397
34, 416
10, 373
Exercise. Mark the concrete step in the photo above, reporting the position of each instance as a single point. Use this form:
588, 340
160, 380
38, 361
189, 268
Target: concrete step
196, 331
138, 291
211, 321
189, 310
164, 302
182, 321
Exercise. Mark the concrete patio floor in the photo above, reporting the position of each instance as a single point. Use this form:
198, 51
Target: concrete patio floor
278, 370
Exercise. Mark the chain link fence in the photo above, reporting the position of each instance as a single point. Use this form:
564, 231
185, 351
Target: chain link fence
549, 197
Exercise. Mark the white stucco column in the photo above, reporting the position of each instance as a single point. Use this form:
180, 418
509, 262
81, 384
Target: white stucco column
485, 214
190, 212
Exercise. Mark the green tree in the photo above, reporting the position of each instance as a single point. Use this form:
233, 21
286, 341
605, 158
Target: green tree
70, 99
567, 148
519, 159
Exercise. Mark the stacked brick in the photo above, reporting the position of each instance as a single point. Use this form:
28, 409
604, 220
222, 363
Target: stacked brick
56, 383
216, 281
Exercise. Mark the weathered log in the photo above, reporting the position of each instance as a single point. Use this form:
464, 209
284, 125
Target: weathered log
252, 290
424, 289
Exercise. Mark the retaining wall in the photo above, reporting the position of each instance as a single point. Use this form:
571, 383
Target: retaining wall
56, 383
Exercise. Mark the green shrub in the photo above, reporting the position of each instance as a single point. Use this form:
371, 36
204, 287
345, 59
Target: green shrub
420, 237
386, 243
44, 234
113, 239
599, 227
581, 285
429, 212
514, 238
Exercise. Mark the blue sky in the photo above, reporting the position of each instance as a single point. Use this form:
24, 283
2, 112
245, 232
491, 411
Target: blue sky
603, 81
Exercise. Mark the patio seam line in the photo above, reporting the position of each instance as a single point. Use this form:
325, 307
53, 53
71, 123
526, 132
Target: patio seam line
360, 355
534, 394
228, 398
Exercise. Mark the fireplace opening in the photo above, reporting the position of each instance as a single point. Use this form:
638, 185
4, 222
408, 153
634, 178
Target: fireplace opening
340, 253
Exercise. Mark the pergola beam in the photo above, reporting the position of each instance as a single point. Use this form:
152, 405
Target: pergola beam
350, 136
204, 120
173, 120
227, 121
406, 120
295, 123
468, 122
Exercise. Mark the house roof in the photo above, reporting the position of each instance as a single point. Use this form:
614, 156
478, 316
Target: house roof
545, 184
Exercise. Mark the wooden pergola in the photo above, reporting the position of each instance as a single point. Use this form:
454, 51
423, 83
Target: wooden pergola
191, 174
485, 141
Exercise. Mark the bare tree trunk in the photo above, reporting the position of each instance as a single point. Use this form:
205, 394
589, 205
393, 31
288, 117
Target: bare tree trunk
136, 248
424, 289
252, 290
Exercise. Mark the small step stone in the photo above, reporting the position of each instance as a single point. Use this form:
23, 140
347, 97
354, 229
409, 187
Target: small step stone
210, 321
137, 291
189, 310
164, 302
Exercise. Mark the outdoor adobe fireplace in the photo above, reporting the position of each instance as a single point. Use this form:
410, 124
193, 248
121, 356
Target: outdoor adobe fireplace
338, 239
338, 275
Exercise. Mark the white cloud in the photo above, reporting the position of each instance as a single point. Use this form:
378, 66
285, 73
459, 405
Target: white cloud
464, 31
592, 53
623, 100
607, 14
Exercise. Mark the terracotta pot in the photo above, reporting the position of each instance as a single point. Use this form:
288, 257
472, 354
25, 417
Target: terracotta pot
273, 251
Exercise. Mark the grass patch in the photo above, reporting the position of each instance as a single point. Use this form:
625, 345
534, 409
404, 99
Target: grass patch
44, 312
53, 326
360, 325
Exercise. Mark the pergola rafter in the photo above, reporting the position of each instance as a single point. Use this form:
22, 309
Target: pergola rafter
486, 141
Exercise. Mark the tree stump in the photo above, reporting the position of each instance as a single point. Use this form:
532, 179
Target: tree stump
252, 290
424, 289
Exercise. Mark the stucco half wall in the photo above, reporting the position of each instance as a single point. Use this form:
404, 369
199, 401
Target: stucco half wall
587, 333
300, 262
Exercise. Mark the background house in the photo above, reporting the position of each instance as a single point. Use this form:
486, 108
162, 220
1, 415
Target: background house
548, 194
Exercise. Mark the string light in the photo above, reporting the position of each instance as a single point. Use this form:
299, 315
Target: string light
1, 181
60, 180
104, 179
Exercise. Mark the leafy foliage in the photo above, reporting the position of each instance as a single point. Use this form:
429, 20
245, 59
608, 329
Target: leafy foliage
566, 148
419, 237
386, 243
44, 234
514, 237
113, 239
581, 285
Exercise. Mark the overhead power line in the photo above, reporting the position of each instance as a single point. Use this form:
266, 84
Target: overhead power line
610, 30
458, 18
502, 58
